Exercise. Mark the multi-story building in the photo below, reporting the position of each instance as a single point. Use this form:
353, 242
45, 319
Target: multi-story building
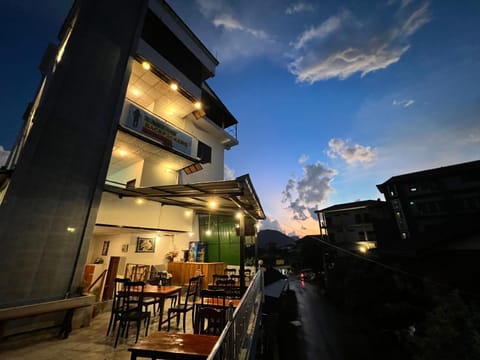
358, 226
435, 207
122, 154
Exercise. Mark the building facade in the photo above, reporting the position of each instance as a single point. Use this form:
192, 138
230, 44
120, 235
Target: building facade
435, 207
123, 112
358, 226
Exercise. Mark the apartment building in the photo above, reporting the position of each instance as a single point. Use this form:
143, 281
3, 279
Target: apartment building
436, 207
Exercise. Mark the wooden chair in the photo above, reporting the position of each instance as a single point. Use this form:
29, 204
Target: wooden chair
230, 271
132, 309
218, 297
219, 281
187, 305
209, 320
117, 302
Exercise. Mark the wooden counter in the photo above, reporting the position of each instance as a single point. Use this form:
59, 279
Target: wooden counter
183, 271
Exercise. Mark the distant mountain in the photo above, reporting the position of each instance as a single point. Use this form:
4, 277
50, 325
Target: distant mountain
265, 237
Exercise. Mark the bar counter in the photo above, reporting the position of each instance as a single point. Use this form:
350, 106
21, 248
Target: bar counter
183, 271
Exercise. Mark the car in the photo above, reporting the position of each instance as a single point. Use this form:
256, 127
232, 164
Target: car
307, 275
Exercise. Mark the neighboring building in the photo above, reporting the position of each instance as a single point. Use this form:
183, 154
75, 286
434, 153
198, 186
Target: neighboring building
438, 207
121, 154
358, 226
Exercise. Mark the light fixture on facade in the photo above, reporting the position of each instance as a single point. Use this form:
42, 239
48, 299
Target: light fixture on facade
188, 213
197, 105
174, 86
139, 201
146, 65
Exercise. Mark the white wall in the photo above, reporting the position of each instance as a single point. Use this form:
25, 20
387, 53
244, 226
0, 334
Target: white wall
163, 244
149, 214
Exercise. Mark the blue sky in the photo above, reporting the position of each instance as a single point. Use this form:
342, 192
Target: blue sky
332, 97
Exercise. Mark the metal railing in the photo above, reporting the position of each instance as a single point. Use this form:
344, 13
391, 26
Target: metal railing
238, 339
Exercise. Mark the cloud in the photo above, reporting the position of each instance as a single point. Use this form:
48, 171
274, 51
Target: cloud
270, 224
298, 7
346, 44
323, 30
404, 103
351, 153
228, 174
303, 159
305, 194
232, 24
3, 155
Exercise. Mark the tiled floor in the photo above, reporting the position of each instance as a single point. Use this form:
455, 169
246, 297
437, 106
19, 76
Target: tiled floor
84, 343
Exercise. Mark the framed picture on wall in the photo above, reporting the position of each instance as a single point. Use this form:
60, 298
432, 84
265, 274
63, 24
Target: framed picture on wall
125, 248
106, 245
145, 245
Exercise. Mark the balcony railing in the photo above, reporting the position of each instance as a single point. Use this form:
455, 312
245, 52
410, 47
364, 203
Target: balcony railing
239, 338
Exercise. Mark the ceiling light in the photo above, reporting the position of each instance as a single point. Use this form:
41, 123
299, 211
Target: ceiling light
139, 201
122, 153
208, 232
174, 86
198, 105
188, 213
212, 204
146, 65
135, 92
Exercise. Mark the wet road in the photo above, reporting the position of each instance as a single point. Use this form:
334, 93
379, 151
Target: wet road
328, 334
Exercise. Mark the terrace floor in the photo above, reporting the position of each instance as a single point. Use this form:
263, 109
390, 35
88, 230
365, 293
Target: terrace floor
85, 343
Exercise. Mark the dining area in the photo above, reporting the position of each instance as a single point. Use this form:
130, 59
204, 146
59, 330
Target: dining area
178, 321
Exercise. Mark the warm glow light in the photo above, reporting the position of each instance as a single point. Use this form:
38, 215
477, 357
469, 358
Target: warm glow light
208, 232
198, 105
363, 249
212, 204
188, 213
135, 92
174, 86
122, 153
238, 215
71, 229
191, 234
139, 201
146, 65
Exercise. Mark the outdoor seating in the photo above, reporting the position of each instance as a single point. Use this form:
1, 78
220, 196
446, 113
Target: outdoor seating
132, 309
210, 317
230, 271
187, 305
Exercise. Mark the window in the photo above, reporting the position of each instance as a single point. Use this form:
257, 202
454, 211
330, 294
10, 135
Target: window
204, 152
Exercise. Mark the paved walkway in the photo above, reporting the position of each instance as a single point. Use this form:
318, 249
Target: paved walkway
85, 343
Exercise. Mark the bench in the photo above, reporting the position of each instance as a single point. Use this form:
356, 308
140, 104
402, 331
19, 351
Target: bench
68, 305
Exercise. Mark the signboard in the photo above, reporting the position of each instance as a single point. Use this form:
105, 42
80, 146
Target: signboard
156, 128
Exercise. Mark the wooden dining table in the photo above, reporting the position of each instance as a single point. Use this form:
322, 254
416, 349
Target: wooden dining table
161, 292
174, 346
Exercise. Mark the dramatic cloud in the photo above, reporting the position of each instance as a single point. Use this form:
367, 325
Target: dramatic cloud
351, 153
298, 7
304, 195
228, 174
346, 44
270, 224
403, 103
3, 155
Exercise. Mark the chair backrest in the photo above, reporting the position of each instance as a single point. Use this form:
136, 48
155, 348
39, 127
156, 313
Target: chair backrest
235, 279
119, 294
217, 297
230, 271
219, 279
133, 296
209, 320
192, 291
247, 273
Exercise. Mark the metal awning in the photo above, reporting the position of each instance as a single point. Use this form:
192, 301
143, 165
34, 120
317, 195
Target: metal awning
231, 196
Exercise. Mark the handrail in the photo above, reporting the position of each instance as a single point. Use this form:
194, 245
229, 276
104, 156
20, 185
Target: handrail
238, 338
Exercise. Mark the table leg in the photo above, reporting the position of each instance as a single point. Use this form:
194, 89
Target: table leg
160, 310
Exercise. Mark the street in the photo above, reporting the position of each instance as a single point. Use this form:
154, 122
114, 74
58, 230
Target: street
328, 334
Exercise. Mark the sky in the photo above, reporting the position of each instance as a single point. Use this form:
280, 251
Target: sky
332, 97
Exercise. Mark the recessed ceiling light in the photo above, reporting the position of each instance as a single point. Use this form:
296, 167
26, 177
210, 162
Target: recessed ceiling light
198, 105
146, 65
174, 86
